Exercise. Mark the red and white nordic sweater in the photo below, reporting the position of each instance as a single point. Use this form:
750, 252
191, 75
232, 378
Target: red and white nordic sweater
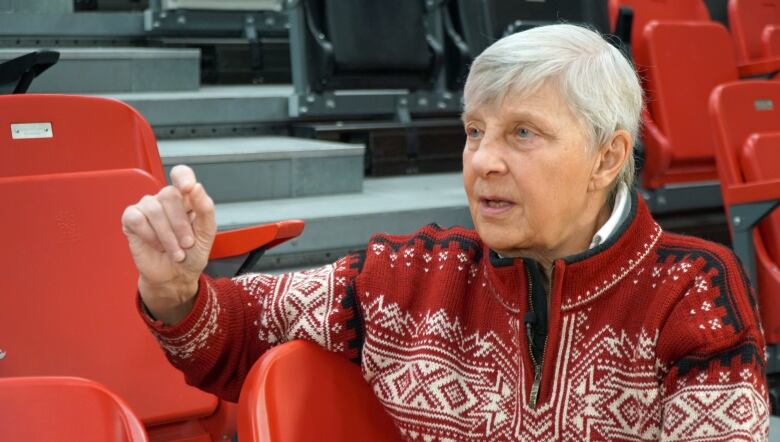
652, 336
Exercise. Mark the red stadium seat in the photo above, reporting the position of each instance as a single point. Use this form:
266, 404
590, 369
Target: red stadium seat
749, 20
67, 133
685, 62
65, 409
69, 304
746, 117
646, 11
299, 392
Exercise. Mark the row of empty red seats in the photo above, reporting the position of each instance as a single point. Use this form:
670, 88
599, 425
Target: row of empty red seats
705, 103
682, 56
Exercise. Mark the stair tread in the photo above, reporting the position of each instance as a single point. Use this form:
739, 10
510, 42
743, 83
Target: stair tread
379, 196
203, 150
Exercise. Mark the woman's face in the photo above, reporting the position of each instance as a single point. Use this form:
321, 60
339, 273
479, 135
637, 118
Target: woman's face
526, 170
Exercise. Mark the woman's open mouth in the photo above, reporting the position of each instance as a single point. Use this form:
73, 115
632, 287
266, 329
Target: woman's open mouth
494, 206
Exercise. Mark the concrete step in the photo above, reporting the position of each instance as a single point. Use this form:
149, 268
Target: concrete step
37, 6
33, 23
259, 168
170, 113
336, 224
104, 70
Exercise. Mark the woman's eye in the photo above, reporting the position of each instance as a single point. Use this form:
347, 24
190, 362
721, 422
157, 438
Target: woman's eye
524, 133
472, 132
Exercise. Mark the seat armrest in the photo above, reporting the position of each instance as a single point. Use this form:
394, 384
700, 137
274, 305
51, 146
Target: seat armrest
245, 240
22, 70
758, 192
766, 67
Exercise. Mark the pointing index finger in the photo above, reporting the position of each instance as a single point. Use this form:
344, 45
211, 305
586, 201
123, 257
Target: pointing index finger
183, 178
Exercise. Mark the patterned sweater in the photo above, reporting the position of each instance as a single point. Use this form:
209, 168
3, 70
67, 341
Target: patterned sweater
652, 336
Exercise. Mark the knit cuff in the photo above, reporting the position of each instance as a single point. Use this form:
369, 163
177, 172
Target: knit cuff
186, 324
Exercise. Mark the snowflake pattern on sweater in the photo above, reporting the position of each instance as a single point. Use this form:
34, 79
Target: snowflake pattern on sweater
652, 336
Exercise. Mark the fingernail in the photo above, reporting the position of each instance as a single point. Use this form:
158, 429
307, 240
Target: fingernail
188, 242
179, 256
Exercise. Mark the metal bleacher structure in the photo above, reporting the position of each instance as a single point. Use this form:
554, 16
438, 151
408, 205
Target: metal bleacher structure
283, 115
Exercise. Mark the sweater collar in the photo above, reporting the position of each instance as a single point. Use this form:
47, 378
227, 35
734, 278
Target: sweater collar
586, 276
621, 209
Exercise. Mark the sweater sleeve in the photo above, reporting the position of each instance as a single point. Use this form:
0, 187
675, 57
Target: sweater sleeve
233, 321
712, 360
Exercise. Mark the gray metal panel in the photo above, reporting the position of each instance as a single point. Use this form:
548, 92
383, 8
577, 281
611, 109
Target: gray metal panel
361, 103
682, 197
225, 5
82, 24
744, 218
187, 22
212, 105
102, 70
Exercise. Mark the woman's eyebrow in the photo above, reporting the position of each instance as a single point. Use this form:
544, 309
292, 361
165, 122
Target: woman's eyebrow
530, 116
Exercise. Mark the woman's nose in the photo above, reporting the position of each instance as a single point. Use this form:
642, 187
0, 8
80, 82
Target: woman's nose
489, 158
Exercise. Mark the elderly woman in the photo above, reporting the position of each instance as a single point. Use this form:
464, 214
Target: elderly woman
567, 315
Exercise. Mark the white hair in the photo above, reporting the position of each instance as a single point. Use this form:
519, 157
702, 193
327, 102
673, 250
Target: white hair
595, 79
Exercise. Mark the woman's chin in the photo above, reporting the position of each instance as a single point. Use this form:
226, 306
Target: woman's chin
497, 242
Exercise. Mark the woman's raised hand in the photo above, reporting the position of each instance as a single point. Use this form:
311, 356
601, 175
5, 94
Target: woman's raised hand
170, 236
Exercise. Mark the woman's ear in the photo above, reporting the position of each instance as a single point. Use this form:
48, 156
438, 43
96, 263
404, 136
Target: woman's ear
610, 160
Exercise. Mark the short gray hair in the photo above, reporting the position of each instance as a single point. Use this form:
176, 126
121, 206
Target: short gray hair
599, 84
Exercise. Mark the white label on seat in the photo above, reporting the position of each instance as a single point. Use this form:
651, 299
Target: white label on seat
764, 105
21, 131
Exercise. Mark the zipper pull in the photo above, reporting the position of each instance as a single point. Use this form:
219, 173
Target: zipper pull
535, 386
530, 323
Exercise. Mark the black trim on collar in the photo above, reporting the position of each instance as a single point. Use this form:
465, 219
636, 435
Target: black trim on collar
497, 261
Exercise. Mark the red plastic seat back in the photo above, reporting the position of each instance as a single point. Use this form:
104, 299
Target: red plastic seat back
760, 161
66, 409
747, 20
69, 291
685, 62
739, 110
86, 133
299, 392
646, 11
